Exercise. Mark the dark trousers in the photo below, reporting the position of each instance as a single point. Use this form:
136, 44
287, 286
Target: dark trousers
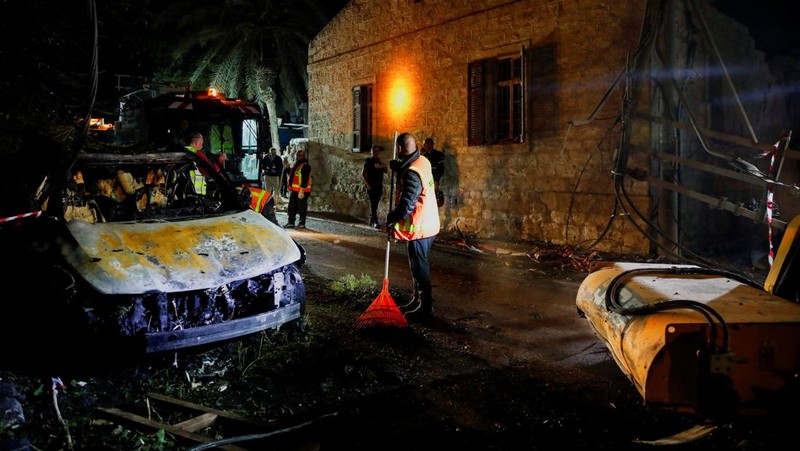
418, 251
297, 207
284, 183
374, 199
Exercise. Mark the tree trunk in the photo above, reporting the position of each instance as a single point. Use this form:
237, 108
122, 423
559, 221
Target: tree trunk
273, 117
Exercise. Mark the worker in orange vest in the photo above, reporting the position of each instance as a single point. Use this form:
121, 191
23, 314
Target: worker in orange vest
299, 190
198, 176
415, 220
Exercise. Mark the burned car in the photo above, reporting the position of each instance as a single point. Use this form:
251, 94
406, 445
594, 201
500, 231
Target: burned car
124, 253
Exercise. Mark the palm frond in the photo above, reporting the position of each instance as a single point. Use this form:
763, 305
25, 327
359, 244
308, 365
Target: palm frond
227, 74
255, 47
202, 67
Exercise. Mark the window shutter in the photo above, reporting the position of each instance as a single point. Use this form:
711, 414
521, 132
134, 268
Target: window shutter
476, 104
524, 68
366, 117
540, 70
490, 98
362, 118
357, 119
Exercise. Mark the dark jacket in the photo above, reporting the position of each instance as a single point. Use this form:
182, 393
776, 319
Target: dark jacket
409, 187
436, 157
373, 175
273, 165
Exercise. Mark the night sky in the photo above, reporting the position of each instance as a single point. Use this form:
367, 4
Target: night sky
772, 23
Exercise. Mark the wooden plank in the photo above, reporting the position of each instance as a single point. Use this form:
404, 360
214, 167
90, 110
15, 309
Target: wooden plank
789, 153
720, 204
192, 407
199, 422
137, 420
689, 435
730, 173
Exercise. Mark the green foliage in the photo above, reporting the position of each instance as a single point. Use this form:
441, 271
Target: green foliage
271, 348
351, 289
225, 43
158, 441
259, 48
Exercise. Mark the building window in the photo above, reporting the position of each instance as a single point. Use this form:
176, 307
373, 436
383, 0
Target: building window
512, 99
362, 118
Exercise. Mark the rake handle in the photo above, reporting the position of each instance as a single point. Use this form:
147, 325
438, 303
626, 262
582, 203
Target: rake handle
391, 198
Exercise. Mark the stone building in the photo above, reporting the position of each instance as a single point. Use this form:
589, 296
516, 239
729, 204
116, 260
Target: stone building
532, 102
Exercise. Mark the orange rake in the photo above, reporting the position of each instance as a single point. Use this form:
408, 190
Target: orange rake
384, 311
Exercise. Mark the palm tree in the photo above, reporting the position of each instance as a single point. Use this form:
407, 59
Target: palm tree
256, 49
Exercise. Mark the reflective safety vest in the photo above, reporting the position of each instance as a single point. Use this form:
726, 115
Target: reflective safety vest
297, 180
258, 198
198, 179
423, 222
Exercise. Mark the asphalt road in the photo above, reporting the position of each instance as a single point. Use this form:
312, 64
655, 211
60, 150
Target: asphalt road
520, 364
516, 311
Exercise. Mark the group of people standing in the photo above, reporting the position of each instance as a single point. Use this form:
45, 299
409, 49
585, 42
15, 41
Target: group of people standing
291, 181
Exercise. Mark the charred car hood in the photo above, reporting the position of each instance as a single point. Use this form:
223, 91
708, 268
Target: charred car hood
173, 256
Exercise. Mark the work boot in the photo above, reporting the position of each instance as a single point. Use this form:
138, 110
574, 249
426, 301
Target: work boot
413, 304
423, 312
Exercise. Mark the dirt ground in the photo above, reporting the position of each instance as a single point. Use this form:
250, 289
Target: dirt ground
476, 377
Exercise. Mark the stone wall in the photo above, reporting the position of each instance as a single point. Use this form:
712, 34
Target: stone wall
557, 189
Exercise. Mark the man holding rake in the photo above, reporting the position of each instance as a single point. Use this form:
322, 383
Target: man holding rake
415, 220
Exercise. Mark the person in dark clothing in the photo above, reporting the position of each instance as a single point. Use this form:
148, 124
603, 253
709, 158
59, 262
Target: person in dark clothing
287, 168
299, 190
272, 167
373, 171
415, 220
436, 157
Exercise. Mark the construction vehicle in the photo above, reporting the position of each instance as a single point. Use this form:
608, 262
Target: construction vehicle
701, 330
162, 114
699, 340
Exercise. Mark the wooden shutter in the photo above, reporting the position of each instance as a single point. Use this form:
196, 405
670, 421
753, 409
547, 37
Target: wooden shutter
366, 117
362, 118
523, 117
476, 104
357, 119
490, 101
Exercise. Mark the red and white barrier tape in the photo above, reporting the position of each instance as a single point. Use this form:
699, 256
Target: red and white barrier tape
34, 214
771, 202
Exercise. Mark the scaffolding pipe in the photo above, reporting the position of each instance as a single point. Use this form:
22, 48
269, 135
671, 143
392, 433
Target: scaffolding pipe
724, 69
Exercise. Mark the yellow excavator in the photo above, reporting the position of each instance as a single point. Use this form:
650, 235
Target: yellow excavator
698, 340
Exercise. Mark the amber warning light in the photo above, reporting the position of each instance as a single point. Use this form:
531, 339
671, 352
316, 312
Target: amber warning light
99, 124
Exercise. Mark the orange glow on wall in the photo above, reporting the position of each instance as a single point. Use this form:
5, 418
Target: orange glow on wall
399, 98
